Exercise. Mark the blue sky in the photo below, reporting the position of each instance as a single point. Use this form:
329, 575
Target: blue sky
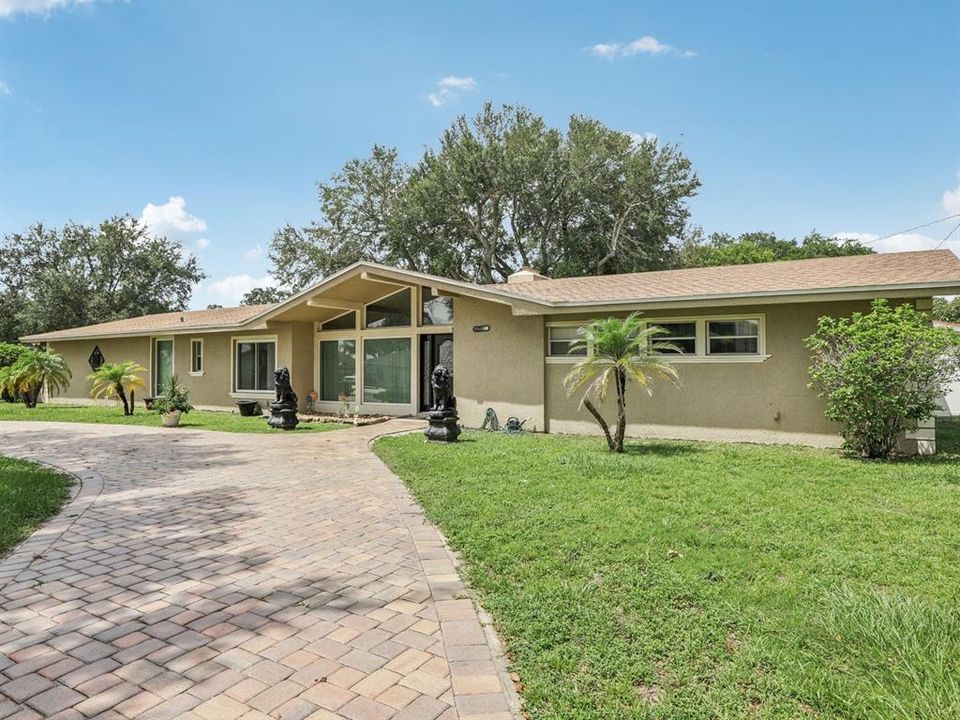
214, 121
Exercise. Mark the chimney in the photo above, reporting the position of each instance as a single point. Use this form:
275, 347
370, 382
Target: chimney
525, 274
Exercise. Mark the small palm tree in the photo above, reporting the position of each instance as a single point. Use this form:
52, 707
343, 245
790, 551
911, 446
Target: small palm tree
34, 370
115, 380
618, 351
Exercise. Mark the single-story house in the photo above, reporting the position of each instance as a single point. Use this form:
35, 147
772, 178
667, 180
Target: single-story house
368, 336
950, 404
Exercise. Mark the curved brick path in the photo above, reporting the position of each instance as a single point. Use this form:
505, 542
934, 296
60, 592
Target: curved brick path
219, 576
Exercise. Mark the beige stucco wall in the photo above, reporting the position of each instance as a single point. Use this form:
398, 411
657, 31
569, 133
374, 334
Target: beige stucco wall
211, 389
505, 369
502, 368
770, 395
76, 353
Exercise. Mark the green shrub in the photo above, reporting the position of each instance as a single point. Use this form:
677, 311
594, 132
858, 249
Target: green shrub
9, 354
880, 372
175, 397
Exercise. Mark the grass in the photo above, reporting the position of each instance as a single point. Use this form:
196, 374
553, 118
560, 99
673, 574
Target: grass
29, 494
197, 419
688, 580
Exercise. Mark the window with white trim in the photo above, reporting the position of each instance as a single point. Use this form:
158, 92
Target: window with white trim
196, 357
560, 341
681, 334
256, 362
733, 337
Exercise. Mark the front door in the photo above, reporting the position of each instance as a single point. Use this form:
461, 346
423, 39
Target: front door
434, 350
162, 365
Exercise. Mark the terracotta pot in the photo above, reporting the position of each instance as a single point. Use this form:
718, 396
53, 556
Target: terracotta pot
171, 419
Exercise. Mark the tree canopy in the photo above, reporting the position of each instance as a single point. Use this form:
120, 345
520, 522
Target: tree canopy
501, 191
947, 310
263, 296
53, 278
759, 247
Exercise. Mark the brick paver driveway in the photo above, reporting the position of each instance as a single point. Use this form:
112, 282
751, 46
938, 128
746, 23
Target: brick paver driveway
219, 576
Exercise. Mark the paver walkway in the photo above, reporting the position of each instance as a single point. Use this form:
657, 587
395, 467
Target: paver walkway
219, 576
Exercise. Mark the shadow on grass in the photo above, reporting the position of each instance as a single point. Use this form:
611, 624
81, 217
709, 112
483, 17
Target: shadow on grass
661, 449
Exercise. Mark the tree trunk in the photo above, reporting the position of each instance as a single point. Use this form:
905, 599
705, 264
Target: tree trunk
133, 405
621, 412
123, 399
601, 422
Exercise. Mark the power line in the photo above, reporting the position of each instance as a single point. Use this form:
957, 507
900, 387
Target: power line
918, 227
948, 236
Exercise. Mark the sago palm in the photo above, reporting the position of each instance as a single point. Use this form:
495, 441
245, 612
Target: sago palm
618, 351
115, 380
34, 370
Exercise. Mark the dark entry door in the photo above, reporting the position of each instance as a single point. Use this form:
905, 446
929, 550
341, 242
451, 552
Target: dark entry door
434, 350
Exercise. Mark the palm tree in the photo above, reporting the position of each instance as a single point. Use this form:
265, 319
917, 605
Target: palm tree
34, 370
114, 380
618, 351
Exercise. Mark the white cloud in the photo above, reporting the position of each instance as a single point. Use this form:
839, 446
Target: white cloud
229, 290
203, 243
450, 88
171, 216
458, 83
646, 45
253, 253
4, 88
951, 199
9, 8
638, 138
901, 243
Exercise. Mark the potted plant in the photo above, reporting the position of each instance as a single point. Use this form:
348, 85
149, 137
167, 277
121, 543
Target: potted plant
172, 403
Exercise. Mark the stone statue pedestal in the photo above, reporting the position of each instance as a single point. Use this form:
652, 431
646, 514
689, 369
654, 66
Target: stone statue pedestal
443, 425
283, 416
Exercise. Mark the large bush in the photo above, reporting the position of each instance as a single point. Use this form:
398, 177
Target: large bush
9, 354
880, 372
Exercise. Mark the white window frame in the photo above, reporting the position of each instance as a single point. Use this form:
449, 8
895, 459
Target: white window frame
203, 358
701, 356
761, 343
565, 358
251, 394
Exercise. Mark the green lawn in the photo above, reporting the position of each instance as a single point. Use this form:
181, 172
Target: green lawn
29, 494
198, 419
687, 580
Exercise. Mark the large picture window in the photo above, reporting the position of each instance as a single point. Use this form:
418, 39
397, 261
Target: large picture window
386, 370
733, 337
256, 362
391, 311
347, 321
435, 310
338, 370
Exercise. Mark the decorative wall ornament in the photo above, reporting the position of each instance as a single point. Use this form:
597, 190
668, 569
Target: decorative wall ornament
96, 358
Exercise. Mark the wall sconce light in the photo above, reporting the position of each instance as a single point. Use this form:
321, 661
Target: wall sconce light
481, 328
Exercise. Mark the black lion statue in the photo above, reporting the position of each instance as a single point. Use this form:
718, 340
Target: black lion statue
441, 382
285, 393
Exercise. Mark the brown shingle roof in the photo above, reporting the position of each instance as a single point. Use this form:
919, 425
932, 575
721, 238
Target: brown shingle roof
163, 322
793, 276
